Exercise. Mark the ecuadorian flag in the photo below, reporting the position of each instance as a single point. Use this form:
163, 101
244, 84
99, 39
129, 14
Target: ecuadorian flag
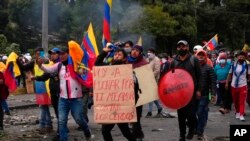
41, 89
9, 76
80, 64
106, 23
89, 42
213, 43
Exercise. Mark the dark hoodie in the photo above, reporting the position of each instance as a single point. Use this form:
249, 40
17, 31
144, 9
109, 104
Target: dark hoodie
208, 79
193, 69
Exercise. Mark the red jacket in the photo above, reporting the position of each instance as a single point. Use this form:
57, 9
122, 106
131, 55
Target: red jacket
4, 92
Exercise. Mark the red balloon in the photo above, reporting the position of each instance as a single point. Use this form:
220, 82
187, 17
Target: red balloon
176, 88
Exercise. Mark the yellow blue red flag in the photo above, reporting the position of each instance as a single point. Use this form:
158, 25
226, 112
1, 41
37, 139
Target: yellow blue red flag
106, 23
212, 43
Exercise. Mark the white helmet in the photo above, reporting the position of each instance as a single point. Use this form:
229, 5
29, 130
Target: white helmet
197, 47
28, 57
4, 57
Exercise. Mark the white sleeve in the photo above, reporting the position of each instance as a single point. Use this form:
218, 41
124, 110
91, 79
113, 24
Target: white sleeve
50, 69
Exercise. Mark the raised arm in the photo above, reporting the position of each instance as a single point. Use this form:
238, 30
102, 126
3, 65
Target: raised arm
49, 69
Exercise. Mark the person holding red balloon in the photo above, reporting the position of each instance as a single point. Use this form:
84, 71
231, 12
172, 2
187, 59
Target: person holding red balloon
186, 114
208, 80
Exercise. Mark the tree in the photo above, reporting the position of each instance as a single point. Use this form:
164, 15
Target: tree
13, 48
157, 22
3, 44
230, 22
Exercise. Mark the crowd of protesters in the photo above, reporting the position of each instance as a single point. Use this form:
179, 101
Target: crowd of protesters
220, 77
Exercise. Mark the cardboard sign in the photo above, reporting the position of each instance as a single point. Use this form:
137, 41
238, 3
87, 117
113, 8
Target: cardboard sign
114, 98
147, 84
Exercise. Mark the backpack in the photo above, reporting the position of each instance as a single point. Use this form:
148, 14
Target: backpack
232, 66
191, 59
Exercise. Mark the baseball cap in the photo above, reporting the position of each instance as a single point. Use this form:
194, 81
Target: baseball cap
54, 50
182, 42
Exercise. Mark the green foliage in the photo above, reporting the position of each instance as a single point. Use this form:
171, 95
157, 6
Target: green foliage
157, 22
229, 22
13, 48
167, 20
3, 43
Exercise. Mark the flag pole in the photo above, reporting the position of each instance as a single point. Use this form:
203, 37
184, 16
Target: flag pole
208, 42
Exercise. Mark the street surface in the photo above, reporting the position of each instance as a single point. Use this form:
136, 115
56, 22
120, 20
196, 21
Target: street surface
23, 121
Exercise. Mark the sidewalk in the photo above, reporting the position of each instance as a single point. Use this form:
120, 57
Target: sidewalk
21, 101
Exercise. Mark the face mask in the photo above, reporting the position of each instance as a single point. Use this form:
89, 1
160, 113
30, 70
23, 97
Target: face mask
241, 61
127, 50
163, 60
118, 62
182, 52
222, 61
151, 55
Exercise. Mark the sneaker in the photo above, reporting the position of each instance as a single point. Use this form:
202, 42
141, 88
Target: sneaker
237, 115
242, 118
149, 114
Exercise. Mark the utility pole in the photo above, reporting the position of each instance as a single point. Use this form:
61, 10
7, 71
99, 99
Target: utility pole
45, 27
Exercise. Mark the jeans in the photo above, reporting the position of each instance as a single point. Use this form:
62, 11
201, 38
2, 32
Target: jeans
150, 105
5, 106
45, 118
85, 106
202, 114
75, 105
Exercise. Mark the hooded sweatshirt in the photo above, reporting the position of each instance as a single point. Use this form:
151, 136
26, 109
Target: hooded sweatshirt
208, 77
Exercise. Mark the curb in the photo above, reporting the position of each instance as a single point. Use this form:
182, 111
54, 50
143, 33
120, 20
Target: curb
23, 106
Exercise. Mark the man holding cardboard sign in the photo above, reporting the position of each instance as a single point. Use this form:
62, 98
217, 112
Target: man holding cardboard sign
114, 96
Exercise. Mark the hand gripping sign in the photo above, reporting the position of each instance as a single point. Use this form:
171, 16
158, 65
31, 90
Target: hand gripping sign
176, 88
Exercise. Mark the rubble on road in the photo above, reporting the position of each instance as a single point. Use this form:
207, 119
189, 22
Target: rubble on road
20, 120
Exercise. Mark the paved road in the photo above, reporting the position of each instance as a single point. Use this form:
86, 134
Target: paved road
217, 128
